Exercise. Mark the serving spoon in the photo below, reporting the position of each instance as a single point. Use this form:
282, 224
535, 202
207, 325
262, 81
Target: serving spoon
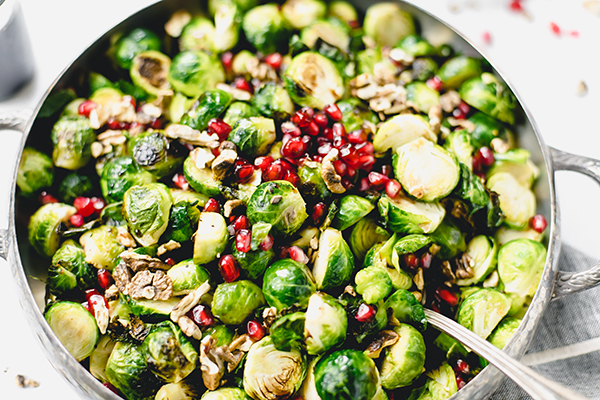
537, 386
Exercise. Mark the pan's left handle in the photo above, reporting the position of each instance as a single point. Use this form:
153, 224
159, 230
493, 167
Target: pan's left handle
13, 121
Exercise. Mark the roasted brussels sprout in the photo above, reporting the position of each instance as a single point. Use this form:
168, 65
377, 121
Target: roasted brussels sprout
69, 271
300, 13
482, 310
386, 23
43, 233
225, 393
238, 110
74, 185
119, 174
352, 209
152, 310
313, 80
72, 138
349, 372
194, 72
227, 27
277, 203
504, 332
187, 276
343, 10
423, 69
487, 129
101, 246
382, 255
270, 374
373, 283
422, 96
459, 69
253, 136
407, 309
525, 172
403, 361
450, 346
222, 334
365, 234
287, 332
517, 202
157, 154
490, 95
198, 34
35, 171
312, 184
211, 104
234, 302
416, 46
183, 390
288, 283
188, 196
440, 385
182, 222
483, 252
400, 130
99, 358
211, 237
520, 266
308, 391
404, 215
332, 31
355, 114
242, 5
254, 262
334, 264
325, 325
273, 101
505, 235
450, 239
146, 209
132, 44
200, 179
128, 371
149, 70
74, 326
460, 144
266, 29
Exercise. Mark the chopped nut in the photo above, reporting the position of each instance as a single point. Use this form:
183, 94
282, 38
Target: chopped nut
202, 157
125, 237
189, 328
499, 145
582, 89
137, 329
419, 280
367, 92
178, 21
378, 104
233, 359
190, 135
464, 267
138, 262
435, 118
163, 284
241, 343
111, 293
361, 81
24, 382
222, 165
450, 100
151, 286
122, 277
592, 6
447, 270
188, 302
212, 367
230, 206
101, 315
492, 280
97, 149
330, 176
384, 339
401, 56
463, 123
276, 199
169, 246
269, 315
314, 243
350, 290
236, 93
383, 74
94, 122
418, 295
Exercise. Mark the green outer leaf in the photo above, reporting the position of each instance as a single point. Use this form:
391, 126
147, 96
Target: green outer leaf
35, 171
195, 72
72, 138
155, 153
260, 231
407, 309
221, 333
69, 270
133, 43
187, 276
411, 243
234, 302
405, 215
365, 234
253, 136
56, 102
273, 101
201, 180
252, 263
334, 264
119, 174
43, 226
211, 104
128, 371
287, 283
74, 326
146, 209
482, 310
238, 110
489, 95
450, 239
266, 29
182, 222
287, 332
326, 323
211, 237
352, 209
75, 185
520, 266
373, 283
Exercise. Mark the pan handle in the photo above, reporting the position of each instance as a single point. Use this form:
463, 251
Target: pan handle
573, 282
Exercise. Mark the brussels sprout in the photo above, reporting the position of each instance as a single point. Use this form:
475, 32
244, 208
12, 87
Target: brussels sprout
102, 247
487, 129
35, 171
200, 179
373, 283
490, 95
128, 371
411, 243
266, 29
423, 69
369, 58
520, 266
332, 32
364, 235
211, 104
211, 237
278, 203
238, 110
404, 215
525, 172
459, 142
355, 114
273, 101
154, 152
225, 393
177, 391
188, 197
441, 385
450, 239
194, 72
254, 262
253, 136
346, 374
403, 361
234, 302
504, 332
334, 264
457, 70
179, 105
483, 252
352, 209
222, 334
287, 283
381, 255
308, 391
149, 70
450, 346
482, 310
182, 222
260, 231
187, 276
74, 326
401, 130
505, 235
517, 202
69, 270
99, 358
119, 174
287, 332
198, 34
151, 309
43, 227
407, 309
137, 41
326, 323
426, 171
270, 374
72, 138
301, 13
74, 185
313, 80
242, 5
417, 46
146, 209
422, 96
343, 10
239, 64
227, 27
386, 23
312, 184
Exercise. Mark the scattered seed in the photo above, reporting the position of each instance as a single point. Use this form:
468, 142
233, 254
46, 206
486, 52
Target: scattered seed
24, 382
592, 6
555, 28
582, 89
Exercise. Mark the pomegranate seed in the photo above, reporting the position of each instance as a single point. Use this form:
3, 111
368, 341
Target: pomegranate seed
228, 267
201, 315
554, 28
76, 220
461, 111
347, 183
324, 149
377, 180
242, 84
477, 164
486, 37
321, 119
318, 212
90, 292
435, 83
255, 330
386, 170
283, 252
220, 127
366, 161
297, 254
365, 148
263, 162
354, 25
46, 198
357, 137
242, 240
155, 124
538, 223
293, 148
212, 206
328, 134
240, 223
292, 178
426, 259
110, 387
98, 205
84, 206
117, 125
574, 34
274, 172
312, 128
243, 171
274, 60
215, 151
317, 158
181, 182
515, 5
267, 243
463, 367
86, 107
351, 172
339, 141
339, 129
86, 305
340, 167
447, 296
170, 261
392, 188
411, 261
364, 185
365, 313
435, 307
333, 112
104, 278
487, 156
289, 128
303, 117
227, 60
460, 382
95, 301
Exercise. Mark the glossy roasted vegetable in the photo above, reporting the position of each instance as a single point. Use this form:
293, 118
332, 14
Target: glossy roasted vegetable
334, 264
132, 44
187, 276
387, 23
401, 130
266, 29
72, 138
69, 270
74, 326
35, 171
128, 371
102, 247
325, 323
407, 309
288, 283
404, 215
346, 371
488, 94
403, 361
482, 310
457, 70
75, 185
149, 70
155, 153
235, 302
520, 266
300, 13
43, 227
211, 237
194, 72
351, 210
146, 209
273, 101
253, 136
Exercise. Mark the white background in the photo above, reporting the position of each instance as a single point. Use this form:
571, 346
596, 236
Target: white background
545, 67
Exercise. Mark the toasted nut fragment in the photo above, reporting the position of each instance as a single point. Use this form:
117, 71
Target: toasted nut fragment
447, 270
236, 93
435, 118
269, 315
212, 367
450, 100
111, 293
592, 6
188, 302
230, 206
492, 280
139, 262
163, 284
169, 246
419, 280
190, 135
499, 145
189, 328
125, 237
330, 176
582, 88
350, 290
241, 343
202, 157
384, 339
178, 21
101, 315
418, 295
232, 359
97, 149
463, 123
23, 382
122, 276
221, 166
464, 267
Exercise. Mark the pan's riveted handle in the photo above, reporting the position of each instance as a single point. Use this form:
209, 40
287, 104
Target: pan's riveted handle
573, 282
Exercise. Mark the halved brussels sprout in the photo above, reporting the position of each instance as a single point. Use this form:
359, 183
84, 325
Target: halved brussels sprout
365, 234
243, 5
211, 237
325, 325
273, 101
235, 302
482, 310
75, 185
312, 184
404, 215
239, 64
504, 332
426, 171
74, 326
266, 29
423, 69
505, 235
102, 247
450, 239
288, 283
459, 142
300, 13
149, 70
151, 309
227, 27
355, 114
277, 203
180, 103
524, 172
238, 110
200, 179
72, 138
387, 23
99, 358
441, 385
313, 80
417, 46
490, 95
132, 44
403, 361
155, 153
35, 171
253, 136
483, 252
184, 390
224, 393
182, 222
407, 309
352, 209
520, 266
254, 262
128, 371
198, 34
69, 270
270, 374
43, 232
332, 32
422, 96
457, 70
187, 276
211, 104
349, 372
308, 391
119, 174
381, 255
487, 129
401, 130
287, 332
373, 283
194, 72
222, 334
334, 264
146, 209
517, 202
343, 10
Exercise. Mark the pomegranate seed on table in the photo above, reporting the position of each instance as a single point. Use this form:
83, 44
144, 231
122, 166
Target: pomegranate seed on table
170, 261
486, 37
293, 148
297, 254
220, 127
538, 223
263, 162
255, 330
228, 267
487, 156
290, 128
242, 84
274, 60
243, 240
47, 198
365, 313
515, 5
463, 366
181, 182
318, 212
340, 167
426, 259
392, 188
358, 136
201, 315
312, 128
241, 222
227, 60
555, 28
364, 185
377, 180
333, 112
321, 119
105, 279
86, 107
574, 33
274, 172
435, 83
84, 206
291, 177
339, 129
267, 243
447, 296
411, 261
212, 206
76, 220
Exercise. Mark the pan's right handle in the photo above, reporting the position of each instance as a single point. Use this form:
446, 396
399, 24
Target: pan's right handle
573, 282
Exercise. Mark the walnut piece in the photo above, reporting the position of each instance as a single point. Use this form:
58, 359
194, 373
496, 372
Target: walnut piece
138, 262
221, 166
101, 315
435, 118
330, 176
151, 286
190, 135
189, 327
122, 276
212, 367
23, 382
169, 246
188, 302
125, 237
230, 206
178, 21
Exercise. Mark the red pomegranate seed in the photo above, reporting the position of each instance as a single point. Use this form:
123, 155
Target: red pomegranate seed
364, 185
201, 315
181, 182
86, 108
340, 167
212, 206
297, 254
104, 278
333, 112
317, 158
215, 151
411, 261
243, 172
462, 111
283, 252
347, 183
339, 141
435, 307
255, 330
113, 124
293, 148
460, 382
267, 243
358, 136
435, 83
91, 292
228, 267
426, 259
538, 223
76, 220
227, 60
318, 212
554, 28
366, 161
240, 223
351, 172
324, 149
274, 60
242, 84
290, 128
321, 119
339, 129
386, 170
515, 5
274, 172
377, 180
487, 156
155, 124
220, 127
263, 162
291, 177
328, 134
486, 37
98, 205
463, 366
84, 206
447, 296
365, 148
170, 261
365, 313
312, 128
47, 198
392, 188
242, 240
110, 387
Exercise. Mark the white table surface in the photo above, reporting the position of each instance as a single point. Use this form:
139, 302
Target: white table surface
546, 69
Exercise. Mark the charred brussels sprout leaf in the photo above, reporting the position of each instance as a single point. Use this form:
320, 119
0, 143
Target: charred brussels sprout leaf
238, 110
75, 185
489, 95
253, 136
373, 283
520, 266
483, 252
235, 302
211, 104
119, 174
326, 323
72, 138
266, 29
404, 215
288, 283
101, 246
43, 232
182, 222
185, 390
407, 309
187, 276
312, 184
411, 243
459, 69
482, 310
365, 234
194, 72
137, 41
387, 23
334, 264
401, 130
450, 346
35, 171
346, 371
146, 209
422, 96
74, 326
69, 270
300, 13
273, 101
154, 152
211, 237
128, 371
404, 361
149, 71
352, 209
288, 332
424, 68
